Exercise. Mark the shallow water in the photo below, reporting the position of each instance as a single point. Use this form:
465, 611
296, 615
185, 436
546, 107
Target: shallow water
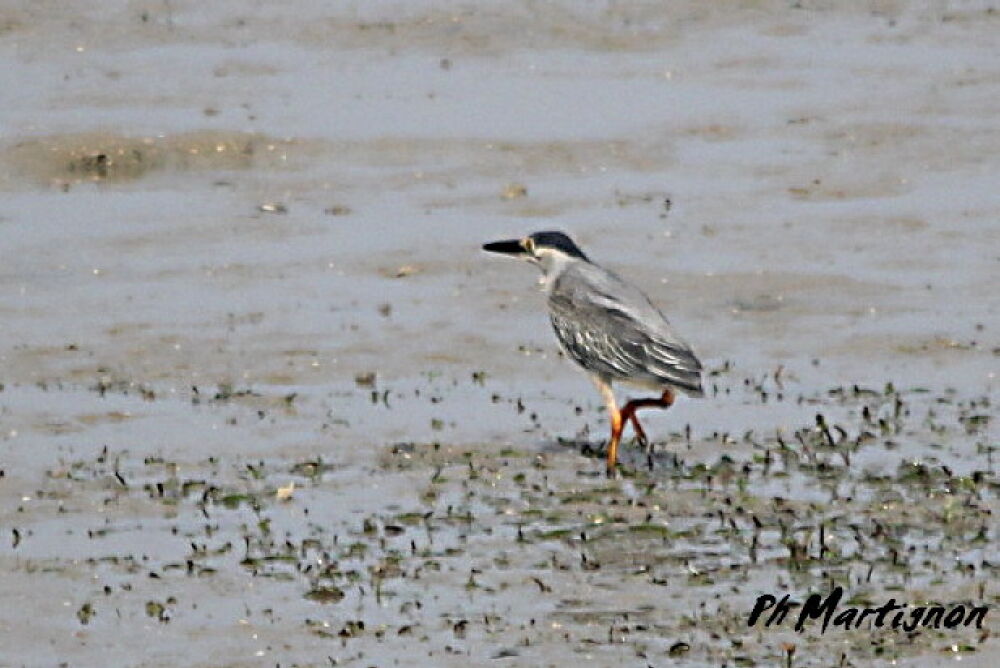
240, 251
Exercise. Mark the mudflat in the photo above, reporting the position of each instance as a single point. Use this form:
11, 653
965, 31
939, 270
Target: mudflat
263, 401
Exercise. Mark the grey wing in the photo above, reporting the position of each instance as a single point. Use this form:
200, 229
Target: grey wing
607, 337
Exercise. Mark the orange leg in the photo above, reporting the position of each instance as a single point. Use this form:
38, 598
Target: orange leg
640, 433
617, 423
666, 400
619, 418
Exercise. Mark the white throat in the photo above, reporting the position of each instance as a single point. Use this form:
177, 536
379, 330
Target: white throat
552, 263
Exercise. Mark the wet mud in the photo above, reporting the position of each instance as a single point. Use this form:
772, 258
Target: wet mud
263, 402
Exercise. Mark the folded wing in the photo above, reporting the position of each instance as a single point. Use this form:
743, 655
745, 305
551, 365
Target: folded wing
612, 329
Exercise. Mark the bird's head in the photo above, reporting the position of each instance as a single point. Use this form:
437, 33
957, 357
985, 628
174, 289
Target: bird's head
550, 251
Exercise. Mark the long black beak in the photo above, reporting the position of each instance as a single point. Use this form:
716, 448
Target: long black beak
508, 247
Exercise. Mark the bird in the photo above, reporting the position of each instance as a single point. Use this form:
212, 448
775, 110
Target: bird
610, 328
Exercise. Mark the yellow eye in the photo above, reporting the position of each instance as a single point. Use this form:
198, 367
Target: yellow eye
529, 245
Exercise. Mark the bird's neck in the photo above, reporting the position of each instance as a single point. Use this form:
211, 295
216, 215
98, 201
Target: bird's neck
552, 266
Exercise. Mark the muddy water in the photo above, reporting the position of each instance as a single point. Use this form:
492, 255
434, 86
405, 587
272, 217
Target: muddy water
264, 402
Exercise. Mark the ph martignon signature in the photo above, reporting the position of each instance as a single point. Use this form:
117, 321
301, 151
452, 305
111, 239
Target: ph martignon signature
902, 616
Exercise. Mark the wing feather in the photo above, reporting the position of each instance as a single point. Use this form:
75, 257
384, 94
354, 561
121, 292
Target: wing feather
621, 337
